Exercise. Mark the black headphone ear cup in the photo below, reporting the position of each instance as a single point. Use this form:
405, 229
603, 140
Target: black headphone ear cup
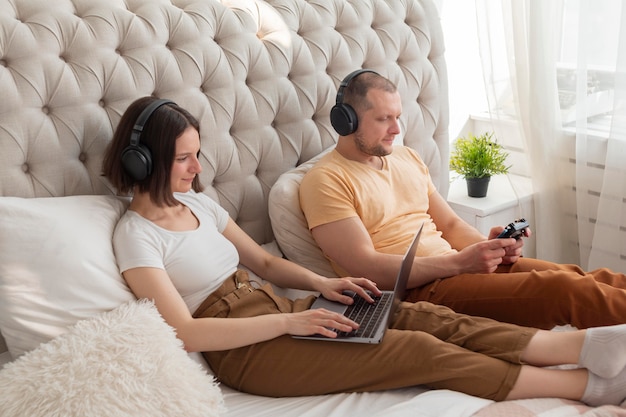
136, 157
343, 118
137, 161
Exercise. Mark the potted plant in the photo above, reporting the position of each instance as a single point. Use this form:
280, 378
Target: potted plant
477, 158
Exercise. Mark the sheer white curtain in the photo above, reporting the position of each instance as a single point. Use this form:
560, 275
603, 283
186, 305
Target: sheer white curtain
545, 75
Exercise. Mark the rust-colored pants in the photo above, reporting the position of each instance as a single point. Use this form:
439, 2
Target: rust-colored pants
534, 293
427, 345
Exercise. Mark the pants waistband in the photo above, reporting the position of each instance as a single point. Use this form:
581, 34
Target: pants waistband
234, 287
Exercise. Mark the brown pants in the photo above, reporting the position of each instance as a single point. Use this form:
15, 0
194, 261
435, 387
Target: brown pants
426, 345
534, 293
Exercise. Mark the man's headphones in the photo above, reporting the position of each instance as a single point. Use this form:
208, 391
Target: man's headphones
136, 157
343, 118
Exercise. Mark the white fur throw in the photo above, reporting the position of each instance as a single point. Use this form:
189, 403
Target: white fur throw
126, 362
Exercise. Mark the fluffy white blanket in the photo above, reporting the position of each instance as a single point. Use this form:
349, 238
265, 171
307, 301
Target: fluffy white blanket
126, 362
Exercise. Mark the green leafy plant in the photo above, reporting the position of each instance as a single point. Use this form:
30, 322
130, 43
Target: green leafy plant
478, 156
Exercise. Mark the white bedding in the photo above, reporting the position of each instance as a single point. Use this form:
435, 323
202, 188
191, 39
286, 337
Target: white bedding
91, 244
416, 401
89, 241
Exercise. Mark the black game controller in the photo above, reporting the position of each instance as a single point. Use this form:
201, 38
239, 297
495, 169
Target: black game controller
515, 229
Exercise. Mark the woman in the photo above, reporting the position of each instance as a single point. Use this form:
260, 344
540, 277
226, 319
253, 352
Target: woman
178, 247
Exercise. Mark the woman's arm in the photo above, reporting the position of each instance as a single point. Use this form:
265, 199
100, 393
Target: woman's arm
209, 334
287, 274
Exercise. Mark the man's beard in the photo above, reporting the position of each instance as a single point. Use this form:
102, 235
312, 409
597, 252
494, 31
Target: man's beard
376, 150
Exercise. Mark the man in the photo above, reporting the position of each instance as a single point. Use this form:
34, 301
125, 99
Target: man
365, 199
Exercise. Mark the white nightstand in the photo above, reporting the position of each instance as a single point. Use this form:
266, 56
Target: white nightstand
509, 197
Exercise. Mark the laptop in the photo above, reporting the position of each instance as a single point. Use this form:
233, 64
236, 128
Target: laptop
375, 318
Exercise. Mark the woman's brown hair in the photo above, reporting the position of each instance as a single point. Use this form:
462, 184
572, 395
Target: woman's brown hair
159, 136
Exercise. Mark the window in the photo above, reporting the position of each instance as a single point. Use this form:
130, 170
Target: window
465, 82
592, 30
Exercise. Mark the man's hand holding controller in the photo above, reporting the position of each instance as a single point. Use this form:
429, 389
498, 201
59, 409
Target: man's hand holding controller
515, 230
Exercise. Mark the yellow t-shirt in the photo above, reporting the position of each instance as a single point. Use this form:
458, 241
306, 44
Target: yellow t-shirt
391, 202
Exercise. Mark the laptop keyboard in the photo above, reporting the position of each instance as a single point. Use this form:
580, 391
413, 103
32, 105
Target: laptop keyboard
366, 314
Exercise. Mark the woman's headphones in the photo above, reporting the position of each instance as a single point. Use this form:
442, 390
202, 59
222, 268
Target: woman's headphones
343, 118
136, 157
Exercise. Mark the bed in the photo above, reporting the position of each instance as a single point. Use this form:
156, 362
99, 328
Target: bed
261, 77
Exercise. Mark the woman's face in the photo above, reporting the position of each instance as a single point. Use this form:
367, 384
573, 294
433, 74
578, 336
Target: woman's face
186, 164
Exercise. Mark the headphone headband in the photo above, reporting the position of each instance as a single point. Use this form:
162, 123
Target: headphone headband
346, 81
143, 118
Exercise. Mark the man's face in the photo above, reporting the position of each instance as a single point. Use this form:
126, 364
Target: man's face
378, 126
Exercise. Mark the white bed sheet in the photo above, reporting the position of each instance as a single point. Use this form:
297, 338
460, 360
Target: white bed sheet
417, 402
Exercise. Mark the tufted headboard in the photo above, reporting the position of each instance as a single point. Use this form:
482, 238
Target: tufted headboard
261, 77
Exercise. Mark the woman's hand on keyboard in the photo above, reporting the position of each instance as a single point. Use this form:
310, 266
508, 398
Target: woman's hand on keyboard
318, 321
335, 289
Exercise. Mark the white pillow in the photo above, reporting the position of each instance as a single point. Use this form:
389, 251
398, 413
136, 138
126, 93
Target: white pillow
126, 362
56, 265
289, 224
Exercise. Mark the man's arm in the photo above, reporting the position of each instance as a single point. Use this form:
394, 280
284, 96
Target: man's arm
455, 230
461, 235
348, 244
